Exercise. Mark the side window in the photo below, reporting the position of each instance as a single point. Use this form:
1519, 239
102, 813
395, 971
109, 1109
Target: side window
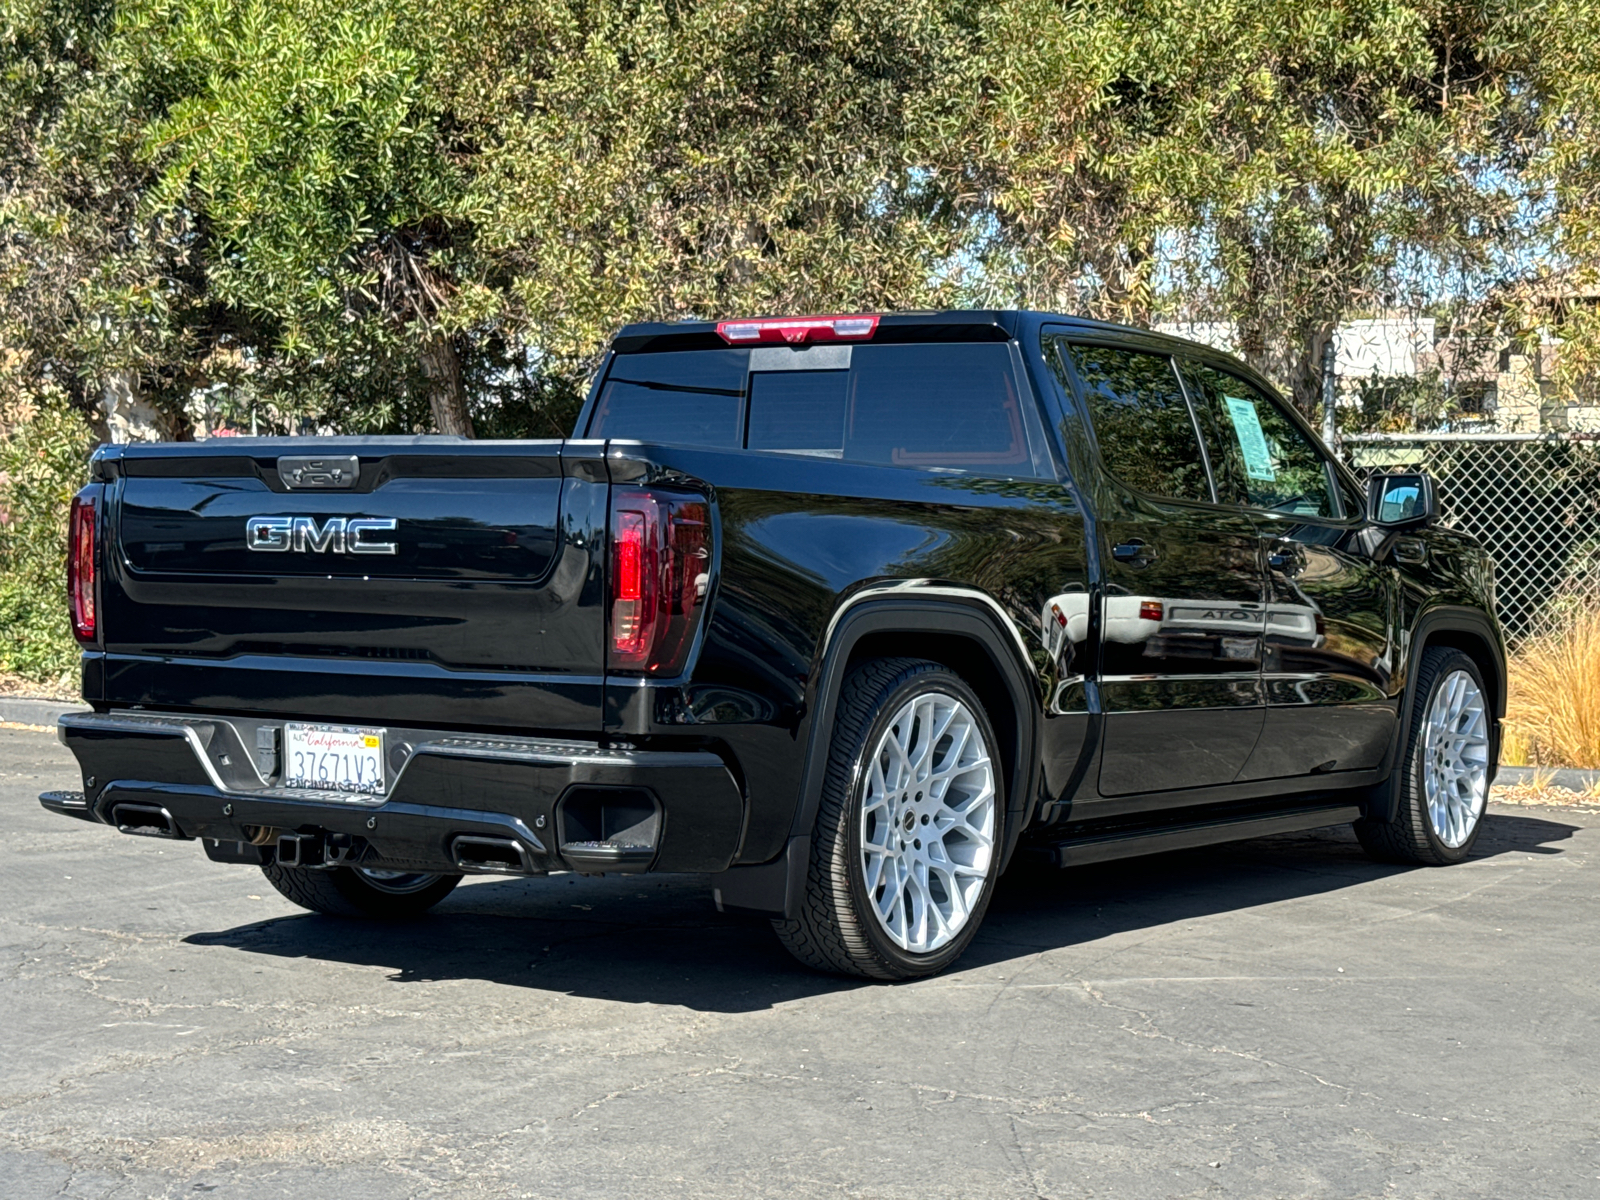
1260, 456
680, 397
1355, 500
1142, 421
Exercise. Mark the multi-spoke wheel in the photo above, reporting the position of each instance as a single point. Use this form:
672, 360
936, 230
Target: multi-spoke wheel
1445, 771
907, 839
927, 822
362, 891
1455, 750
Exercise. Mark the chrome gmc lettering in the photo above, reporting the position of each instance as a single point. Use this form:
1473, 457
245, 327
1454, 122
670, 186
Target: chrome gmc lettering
338, 535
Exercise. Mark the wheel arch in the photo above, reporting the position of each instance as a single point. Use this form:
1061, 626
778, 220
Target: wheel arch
1458, 628
1478, 646
961, 632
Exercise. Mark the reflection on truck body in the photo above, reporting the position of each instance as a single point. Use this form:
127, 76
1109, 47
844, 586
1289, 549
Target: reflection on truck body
1188, 629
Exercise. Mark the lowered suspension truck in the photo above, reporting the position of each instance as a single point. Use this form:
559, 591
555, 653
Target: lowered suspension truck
844, 613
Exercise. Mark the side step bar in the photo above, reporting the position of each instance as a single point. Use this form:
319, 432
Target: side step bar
1125, 843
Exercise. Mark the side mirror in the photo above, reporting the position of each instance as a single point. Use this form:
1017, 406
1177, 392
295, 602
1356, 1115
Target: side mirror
1402, 500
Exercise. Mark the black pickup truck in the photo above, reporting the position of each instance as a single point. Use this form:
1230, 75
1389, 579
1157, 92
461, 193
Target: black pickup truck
846, 612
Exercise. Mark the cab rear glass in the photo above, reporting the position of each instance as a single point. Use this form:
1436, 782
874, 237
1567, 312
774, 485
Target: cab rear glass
683, 397
936, 406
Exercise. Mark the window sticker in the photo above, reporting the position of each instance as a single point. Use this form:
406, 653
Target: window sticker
1252, 441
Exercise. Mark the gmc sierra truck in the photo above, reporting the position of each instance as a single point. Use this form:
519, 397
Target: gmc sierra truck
847, 613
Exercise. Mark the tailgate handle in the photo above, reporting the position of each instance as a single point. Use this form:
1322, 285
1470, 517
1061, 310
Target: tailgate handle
319, 471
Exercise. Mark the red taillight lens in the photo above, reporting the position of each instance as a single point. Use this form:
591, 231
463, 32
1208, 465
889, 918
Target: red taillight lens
660, 570
81, 568
632, 605
795, 330
1149, 610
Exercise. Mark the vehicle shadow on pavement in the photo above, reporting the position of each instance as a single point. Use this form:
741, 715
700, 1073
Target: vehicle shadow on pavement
1036, 910
658, 939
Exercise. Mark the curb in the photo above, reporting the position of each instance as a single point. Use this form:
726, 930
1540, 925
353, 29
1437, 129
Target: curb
22, 710
1566, 777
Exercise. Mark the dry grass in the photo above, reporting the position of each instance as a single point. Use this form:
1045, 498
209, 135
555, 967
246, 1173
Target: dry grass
1553, 717
1526, 795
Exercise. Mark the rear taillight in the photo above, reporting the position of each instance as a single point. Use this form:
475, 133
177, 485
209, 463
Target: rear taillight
81, 582
660, 569
796, 330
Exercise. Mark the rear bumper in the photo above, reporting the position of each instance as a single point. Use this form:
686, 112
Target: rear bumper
549, 798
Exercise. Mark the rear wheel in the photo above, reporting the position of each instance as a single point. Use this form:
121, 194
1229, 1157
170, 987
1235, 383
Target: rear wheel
906, 845
361, 891
1444, 772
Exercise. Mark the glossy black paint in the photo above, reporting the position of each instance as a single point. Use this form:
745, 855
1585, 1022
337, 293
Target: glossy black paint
489, 615
1278, 665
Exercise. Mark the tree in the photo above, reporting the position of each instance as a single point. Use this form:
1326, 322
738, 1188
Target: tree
1278, 164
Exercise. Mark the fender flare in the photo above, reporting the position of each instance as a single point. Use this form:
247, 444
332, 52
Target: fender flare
776, 889
952, 612
1440, 618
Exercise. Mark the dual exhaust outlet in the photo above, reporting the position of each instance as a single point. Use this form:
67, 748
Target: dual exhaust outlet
602, 830
319, 851
471, 854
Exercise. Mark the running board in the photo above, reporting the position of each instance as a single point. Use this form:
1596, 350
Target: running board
1125, 843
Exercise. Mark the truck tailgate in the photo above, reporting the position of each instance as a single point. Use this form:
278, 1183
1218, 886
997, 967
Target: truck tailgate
422, 581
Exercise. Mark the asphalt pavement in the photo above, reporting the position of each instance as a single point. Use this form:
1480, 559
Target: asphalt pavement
1276, 1018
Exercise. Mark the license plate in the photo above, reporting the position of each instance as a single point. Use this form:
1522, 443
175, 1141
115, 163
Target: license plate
333, 758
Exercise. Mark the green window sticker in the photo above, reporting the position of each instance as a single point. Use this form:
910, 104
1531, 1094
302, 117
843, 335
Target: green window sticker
1252, 442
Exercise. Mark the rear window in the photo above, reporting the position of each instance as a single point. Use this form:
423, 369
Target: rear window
935, 406
954, 406
684, 398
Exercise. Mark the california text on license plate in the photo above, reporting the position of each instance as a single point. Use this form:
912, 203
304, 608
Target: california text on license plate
335, 758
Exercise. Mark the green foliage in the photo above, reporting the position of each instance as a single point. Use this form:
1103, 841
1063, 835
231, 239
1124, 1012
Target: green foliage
42, 464
387, 215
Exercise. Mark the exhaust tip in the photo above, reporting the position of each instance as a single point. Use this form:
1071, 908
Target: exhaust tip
490, 856
145, 820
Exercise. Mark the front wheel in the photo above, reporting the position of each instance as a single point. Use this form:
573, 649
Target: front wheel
361, 891
1444, 771
907, 841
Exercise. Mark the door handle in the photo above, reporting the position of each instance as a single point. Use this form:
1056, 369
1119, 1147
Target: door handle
1287, 557
1133, 551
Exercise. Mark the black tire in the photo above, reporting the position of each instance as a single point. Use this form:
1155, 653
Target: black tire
1409, 836
346, 892
837, 930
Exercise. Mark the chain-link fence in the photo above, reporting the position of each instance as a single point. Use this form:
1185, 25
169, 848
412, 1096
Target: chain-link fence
1533, 500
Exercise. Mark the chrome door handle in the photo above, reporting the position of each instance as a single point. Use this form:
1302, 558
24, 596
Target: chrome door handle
1134, 551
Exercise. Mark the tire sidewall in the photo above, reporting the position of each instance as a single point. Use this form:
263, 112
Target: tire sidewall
919, 682
1417, 761
391, 906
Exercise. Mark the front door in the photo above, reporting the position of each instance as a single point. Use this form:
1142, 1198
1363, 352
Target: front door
1329, 657
1183, 603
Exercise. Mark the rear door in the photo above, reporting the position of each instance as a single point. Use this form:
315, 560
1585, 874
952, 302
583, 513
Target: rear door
381, 580
1329, 652
1183, 605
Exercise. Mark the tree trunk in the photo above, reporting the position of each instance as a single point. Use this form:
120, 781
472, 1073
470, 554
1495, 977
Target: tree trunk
446, 393
1307, 377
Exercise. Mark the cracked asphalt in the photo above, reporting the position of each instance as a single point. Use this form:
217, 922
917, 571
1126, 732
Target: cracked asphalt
1276, 1018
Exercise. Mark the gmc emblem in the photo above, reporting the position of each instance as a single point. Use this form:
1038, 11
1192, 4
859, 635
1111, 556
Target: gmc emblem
303, 534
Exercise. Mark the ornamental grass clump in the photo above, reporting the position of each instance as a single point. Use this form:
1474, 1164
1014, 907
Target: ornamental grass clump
1553, 715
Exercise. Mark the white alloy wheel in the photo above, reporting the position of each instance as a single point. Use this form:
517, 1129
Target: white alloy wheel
928, 821
1455, 758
